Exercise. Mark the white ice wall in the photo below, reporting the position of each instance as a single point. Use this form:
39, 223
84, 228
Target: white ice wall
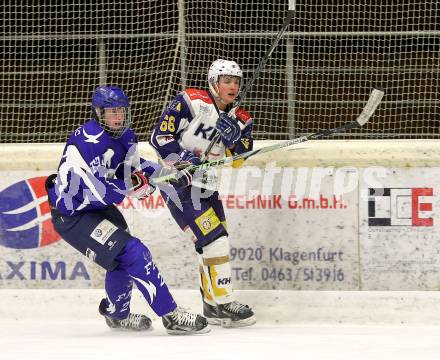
314, 240
391, 153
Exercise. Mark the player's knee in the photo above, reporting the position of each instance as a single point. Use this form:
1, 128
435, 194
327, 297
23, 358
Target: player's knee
132, 251
219, 248
218, 236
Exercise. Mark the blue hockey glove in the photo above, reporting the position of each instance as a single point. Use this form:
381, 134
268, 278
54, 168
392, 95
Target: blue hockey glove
229, 129
187, 158
186, 155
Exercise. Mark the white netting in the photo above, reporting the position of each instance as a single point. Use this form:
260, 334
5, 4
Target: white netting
319, 76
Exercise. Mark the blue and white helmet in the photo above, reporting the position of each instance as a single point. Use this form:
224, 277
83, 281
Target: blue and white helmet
222, 67
107, 97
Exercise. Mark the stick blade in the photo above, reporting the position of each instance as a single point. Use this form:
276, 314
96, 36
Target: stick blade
371, 106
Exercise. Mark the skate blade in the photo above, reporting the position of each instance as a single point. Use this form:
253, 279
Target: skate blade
120, 328
205, 330
228, 323
214, 321
131, 330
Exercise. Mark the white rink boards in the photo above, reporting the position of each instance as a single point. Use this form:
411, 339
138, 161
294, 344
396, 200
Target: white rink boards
325, 215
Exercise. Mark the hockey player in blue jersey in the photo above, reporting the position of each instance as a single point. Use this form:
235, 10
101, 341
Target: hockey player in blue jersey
99, 167
184, 133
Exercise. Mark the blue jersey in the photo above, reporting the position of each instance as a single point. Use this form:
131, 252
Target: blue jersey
94, 171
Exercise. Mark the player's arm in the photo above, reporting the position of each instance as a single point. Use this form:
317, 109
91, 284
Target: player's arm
137, 184
173, 121
80, 185
144, 172
115, 189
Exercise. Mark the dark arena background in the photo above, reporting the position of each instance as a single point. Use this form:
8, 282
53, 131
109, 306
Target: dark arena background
318, 77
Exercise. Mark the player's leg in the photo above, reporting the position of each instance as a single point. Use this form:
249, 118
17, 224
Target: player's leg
207, 229
118, 284
137, 261
126, 259
116, 306
219, 304
98, 238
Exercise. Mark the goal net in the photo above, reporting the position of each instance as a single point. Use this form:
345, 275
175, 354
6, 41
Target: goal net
318, 77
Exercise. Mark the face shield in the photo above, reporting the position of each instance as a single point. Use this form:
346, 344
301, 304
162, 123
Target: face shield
115, 120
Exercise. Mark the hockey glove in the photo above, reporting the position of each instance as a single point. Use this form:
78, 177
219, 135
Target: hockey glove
183, 179
229, 130
141, 186
187, 158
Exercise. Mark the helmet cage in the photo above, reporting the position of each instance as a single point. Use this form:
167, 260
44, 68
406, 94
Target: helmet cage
114, 133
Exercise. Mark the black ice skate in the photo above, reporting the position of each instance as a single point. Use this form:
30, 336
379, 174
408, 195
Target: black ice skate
182, 322
230, 315
136, 322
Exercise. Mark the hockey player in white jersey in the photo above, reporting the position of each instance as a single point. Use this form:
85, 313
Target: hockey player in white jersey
183, 133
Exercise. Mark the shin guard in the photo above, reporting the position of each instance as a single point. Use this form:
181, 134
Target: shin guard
215, 272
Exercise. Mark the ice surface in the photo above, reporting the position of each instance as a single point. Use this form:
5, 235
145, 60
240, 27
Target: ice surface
91, 339
58, 325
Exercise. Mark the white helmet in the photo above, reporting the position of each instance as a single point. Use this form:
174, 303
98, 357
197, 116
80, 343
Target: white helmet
222, 67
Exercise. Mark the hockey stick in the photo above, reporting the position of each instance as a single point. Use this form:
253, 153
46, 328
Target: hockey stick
368, 110
257, 71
